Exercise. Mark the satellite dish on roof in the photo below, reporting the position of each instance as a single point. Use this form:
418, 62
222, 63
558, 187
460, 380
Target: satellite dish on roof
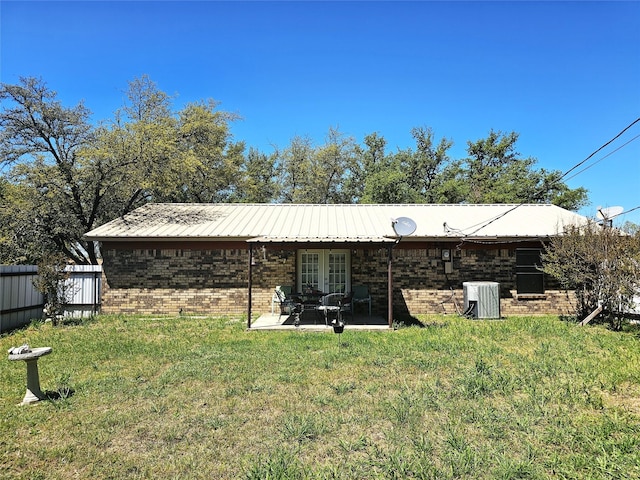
609, 212
403, 226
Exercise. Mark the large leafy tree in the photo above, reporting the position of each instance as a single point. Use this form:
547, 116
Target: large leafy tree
260, 184
407, 176
601, 264
332, 166
21, 241
424, 167
494, 172
310, 174
156, 154
369, 161
295, 171
41, 141
138, 151
216, 170
68, 177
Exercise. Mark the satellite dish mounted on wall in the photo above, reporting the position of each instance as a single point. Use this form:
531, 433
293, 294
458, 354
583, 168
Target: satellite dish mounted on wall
403, 226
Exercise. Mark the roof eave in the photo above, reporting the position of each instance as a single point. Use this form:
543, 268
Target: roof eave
331, 240
165, 239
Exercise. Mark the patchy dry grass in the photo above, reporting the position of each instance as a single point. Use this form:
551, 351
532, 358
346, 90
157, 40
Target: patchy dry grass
202, 398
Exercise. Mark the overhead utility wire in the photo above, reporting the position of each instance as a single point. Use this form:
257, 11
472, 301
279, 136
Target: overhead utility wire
607, 155
603, 146
624, 212
560, 178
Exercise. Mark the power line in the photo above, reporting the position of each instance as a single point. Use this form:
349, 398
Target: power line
625, 211
607, 155
559, 178
494, 219
603, 146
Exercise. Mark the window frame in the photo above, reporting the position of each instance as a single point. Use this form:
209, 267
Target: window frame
529, 277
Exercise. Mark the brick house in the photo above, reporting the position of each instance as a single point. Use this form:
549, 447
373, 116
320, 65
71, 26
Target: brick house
227, 258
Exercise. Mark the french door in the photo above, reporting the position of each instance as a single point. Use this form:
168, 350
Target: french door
324, 270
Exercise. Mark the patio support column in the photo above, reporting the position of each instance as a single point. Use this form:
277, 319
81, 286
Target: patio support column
250, 285
390, 287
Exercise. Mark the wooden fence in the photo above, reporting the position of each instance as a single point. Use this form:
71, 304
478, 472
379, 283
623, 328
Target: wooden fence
20, 302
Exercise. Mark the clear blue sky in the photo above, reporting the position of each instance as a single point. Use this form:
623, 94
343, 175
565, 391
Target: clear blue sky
564, 75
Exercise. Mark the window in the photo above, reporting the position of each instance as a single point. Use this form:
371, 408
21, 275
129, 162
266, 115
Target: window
529, 280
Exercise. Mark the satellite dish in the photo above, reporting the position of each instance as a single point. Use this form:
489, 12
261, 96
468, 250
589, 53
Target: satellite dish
403, 226
609, 212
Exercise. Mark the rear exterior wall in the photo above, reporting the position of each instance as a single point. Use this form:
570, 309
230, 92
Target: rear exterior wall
215, 281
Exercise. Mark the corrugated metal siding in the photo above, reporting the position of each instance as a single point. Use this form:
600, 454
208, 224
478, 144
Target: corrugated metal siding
20, 301
333, 222
84, 293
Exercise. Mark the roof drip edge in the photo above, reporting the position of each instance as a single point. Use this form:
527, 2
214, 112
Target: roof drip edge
319, 240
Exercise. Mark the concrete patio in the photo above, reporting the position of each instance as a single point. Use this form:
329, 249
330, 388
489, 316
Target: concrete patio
312, 320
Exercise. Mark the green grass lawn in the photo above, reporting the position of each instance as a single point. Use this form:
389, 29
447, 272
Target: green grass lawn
203, 398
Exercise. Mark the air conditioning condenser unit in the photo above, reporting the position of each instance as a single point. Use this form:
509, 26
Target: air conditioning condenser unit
481, 299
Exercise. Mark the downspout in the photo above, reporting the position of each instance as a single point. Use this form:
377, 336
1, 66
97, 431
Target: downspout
250, 285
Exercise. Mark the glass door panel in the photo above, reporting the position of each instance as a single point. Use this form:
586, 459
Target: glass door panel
324, 270
309, 270
336, 272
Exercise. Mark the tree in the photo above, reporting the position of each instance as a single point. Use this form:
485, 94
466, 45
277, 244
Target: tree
138, 151
368, 161
259, 173
216, 162
19, 240
66, 176
295, 171
333, 163
407, 176
389, 186
601, 264
152, 153
309, 174
29, 226
42, 141
425, 165
494, 172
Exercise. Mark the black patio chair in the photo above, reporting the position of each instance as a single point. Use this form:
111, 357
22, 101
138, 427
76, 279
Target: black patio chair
346, 306
334, 306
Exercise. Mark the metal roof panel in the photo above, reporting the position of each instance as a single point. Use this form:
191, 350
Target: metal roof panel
297, 222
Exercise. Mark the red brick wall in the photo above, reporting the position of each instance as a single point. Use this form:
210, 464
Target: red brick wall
215, 281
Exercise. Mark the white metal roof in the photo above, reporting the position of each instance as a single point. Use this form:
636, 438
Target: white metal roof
333, 222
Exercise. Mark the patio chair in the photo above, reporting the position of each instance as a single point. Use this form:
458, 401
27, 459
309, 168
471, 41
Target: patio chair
361, 296
329, 306
335, 305
275, 299
288, 304
346, 305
